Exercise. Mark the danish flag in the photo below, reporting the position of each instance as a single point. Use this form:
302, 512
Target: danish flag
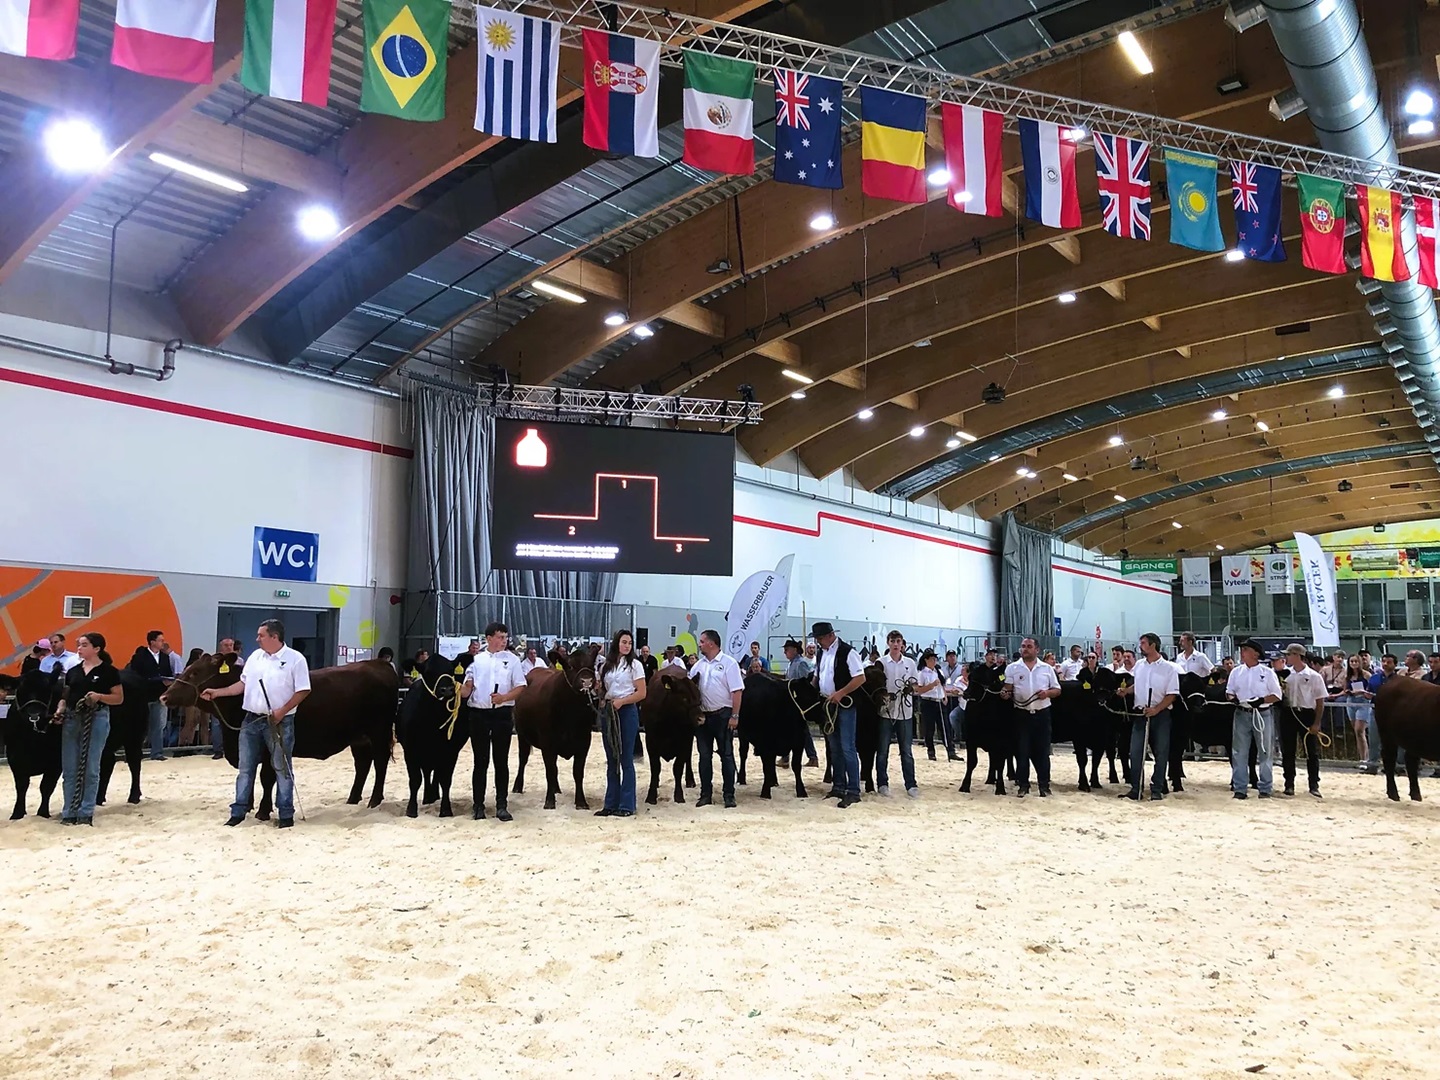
1122, 168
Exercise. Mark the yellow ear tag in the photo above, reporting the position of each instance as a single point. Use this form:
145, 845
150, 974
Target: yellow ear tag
1002, 678
1084, 686
459, 669
224, 669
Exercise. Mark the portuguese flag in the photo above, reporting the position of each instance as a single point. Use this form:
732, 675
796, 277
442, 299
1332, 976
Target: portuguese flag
1322, 223
719, 113
287, 49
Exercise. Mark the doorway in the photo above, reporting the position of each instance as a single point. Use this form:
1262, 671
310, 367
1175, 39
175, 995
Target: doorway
309, 631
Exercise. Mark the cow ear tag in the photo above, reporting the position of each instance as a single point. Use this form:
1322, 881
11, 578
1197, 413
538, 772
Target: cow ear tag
1002, 678
1084, 686
224, 669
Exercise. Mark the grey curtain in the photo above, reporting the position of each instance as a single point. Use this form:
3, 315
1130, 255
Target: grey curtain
1027, 586
450, 509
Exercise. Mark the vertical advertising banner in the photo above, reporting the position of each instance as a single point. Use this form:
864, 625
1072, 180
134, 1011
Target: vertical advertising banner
1318, 570
1278, 579
1195, 573
1235, 575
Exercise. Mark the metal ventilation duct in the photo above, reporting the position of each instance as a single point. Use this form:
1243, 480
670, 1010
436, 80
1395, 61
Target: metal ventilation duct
1329, 63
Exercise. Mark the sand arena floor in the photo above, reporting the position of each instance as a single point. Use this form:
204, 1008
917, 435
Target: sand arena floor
954, 936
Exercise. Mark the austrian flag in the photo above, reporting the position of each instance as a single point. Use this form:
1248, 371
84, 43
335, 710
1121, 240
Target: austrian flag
169, 39
44, 29
972, 158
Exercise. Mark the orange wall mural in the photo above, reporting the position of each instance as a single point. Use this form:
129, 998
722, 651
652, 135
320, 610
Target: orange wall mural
124, 607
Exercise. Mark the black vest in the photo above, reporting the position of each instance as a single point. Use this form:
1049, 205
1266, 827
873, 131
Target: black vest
842, 664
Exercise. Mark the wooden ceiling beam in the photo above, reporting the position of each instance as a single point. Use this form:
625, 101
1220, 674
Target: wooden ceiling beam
1347, 512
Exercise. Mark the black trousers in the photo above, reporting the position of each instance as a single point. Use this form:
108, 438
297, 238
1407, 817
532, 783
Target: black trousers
490, 732
1032, 743
1291, 726
933, 715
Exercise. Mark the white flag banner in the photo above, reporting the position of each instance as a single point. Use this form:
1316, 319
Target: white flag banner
1278, 578
1195, 573
1235, 575
1318, 570
760, 603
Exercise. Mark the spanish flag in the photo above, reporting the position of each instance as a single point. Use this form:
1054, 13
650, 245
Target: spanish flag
892, 145
1381, 256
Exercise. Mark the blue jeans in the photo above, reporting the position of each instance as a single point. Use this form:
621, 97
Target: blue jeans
80, 762
957, 722
1160, 740
904, 731
257, 734
844, 758
714, 734
157, 717
620, 762
217, 736
1241, 734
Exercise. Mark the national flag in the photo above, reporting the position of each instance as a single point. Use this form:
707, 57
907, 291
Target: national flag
44, 29
1322, 223
807, 130
1122, 171
169, 39
1381, 255
287, 49
1194, 217
518, 72
1427, 217
719, 113
1257, 211
892, 145
622, 94
405, 48
1051, 196
972, 158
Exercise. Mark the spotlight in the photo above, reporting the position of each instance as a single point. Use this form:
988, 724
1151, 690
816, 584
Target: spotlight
952, 443
1421, 127
1244, 15
1219, 414
1116, 440
1070, 477
317, 223
1260, 425
993, 457
1335, 392
1419, 103
966, 436
616, 318
1022, 471
993, 394
1219, 547
822, 221
1234, 255
642, 332
719, 266
746, 392
1287, 104
74, 145
1176, 525
1066, 298
1076, 133
798, 395
938, 177
917, 431
864, 414
1344, 486
1119, 498
963, 196
1231, 84
1124, 553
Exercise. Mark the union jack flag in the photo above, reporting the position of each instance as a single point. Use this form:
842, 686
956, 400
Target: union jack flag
1246, 186
792, 102
1122, 168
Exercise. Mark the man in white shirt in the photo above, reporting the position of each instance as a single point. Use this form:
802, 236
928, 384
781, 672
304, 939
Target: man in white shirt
1190, 659
1157, 685
673, 658
58, 655
721, 687
897, 718
840, 673
1031, 686
493, 681
1255, 688
530, 662
1304, 695
1071, 665
274, 681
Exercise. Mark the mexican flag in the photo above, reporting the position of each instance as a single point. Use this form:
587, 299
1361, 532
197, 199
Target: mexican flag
719, 113
287, 49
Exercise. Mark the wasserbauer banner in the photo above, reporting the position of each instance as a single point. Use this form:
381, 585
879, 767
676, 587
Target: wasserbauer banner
763, 599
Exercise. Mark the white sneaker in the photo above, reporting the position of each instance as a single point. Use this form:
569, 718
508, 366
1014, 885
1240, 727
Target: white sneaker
913, 792
883, 789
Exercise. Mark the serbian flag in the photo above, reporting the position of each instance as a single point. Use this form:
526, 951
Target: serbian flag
1427, 216
892, 145
169, 39
972, 158
1381, 256
622, 94
44, 29
1051, 196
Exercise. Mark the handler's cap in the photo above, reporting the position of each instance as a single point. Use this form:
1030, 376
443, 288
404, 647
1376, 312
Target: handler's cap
821, 629
1251, 644
791, 643
43, 645
1294, 649
926, 655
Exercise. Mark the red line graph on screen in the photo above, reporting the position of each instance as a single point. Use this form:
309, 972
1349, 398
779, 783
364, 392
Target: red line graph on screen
625, 478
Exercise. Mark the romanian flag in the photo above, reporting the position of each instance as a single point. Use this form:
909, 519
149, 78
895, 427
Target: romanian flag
892, 145
1381, 256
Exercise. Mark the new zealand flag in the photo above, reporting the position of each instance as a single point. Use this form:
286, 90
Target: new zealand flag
807, 130
1258, 234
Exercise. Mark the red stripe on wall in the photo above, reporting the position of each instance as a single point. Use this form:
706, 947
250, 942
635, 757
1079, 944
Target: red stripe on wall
824, 515
195, 412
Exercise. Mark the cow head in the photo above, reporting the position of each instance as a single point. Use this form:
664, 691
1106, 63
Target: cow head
804, 693
982, 679
580, 669
37, 694
682, 689
210, 671
874, 686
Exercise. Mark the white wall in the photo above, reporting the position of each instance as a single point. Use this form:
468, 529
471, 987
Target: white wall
180, 492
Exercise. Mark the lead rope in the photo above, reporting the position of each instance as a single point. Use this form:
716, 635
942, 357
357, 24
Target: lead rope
85, 713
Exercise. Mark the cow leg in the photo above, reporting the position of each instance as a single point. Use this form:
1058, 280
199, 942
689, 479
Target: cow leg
1110, 753
362, 773
579, 772
740, 772
48, 782
1255, 757
972, 758
107, 768
552, 778
445, 776
653, 795
267, 788
771, 778
998, 762
417, 777
518, 788
689, 765
381, 752
679, 782
432, 786
1081, 754
133, 757
1389, 752
1095, 756
1412, 770
21, 774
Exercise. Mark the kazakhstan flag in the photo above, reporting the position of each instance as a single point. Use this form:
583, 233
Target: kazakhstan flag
1194, 217
405, 46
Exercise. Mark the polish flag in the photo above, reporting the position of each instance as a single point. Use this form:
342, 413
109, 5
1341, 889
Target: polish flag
1427, 217
45, 29
169, 39
972, 158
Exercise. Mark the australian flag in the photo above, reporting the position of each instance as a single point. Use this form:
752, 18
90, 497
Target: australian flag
1257, 211
807, 130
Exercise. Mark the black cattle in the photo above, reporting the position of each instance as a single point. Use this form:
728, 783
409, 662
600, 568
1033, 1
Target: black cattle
1211, 716
1077, 717
432, 728
869, 702
671, 713
775, 716
555, 715
1407, 715
129, 722
32, 742
987, 724
352, 705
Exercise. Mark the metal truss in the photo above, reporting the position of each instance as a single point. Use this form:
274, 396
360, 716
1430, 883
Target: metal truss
677, 32
559, 402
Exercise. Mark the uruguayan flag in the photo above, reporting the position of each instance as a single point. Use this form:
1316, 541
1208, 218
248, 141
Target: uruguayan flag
519, 61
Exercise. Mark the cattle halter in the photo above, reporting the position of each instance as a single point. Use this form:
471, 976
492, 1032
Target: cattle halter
451, 706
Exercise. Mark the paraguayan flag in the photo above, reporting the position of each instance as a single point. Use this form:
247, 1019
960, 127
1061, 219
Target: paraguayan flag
519, 62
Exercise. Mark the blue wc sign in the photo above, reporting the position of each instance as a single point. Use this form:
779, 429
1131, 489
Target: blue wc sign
285, 555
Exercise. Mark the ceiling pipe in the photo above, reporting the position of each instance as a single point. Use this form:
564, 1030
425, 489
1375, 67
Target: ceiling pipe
1329, 62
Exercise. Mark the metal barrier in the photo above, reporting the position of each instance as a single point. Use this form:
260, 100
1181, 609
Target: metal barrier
430, 616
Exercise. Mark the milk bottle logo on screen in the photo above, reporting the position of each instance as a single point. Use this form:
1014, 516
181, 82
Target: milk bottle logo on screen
531, 451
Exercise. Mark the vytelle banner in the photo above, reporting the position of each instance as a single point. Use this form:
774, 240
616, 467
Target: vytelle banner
1235, 575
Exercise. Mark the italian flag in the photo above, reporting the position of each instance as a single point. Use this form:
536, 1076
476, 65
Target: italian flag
287, 49
719, 114
41, 28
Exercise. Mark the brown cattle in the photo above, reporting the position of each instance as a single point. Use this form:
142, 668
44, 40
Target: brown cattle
670, 713
554, 714
1407, 715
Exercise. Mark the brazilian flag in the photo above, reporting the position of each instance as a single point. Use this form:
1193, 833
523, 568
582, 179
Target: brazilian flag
405, 47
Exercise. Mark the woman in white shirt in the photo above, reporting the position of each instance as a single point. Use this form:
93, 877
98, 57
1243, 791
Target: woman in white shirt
623, 677
931, 691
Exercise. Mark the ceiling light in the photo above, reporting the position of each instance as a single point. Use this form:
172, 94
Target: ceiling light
1335, 392
821, 222
1022, 471
1030, 474
798, 395
1219, 414
1260, 425
1066, 298
962, 196
1075, 133
642, 331
1421, 127
864, 414
1119, 498
1245, 14
923, 343
1116, 440
615, 318
917, 431
719, 266
1419, 103
1219, 547
939, 177
560, 293
1287, 104
1231, 84
1135, 53
994, 457
966, 436
1070, 476
798, 376
952, 443
1234, 255
317, 223
1175, 525
198, 173
74, 145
